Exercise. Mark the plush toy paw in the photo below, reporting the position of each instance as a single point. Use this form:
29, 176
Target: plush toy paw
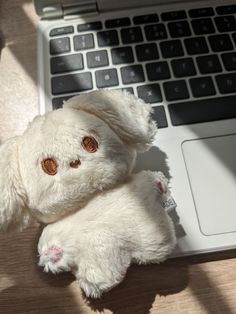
90, 289
53, 254
54, 259
161, 183
95, 279
162, 188
166, 200
95, 289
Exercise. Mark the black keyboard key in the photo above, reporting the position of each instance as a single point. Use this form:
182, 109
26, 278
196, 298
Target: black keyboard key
174, 15
131, 35
202, 86
203, 26
220, 43
64, 30
107, 38
145, 19
106, 78
226, 9
132, 74
176, 90
128, 89
205, 110
196, 45
201, 12
150, 93
183, 67
114, 23
179, 29
122, 55
229, 60
171, 49
97, 59
159, 116
209, 64
67, 63
59, 45
59, 101
147, 52
225, 23
93, 26
82, 42
71, 83
158, 71
226, 83
155, 32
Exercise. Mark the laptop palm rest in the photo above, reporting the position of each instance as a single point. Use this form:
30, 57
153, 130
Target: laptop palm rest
211, 167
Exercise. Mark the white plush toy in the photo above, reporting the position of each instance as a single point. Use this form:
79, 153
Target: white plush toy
72, 168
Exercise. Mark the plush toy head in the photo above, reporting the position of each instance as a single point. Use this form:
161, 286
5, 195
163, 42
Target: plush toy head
67, 155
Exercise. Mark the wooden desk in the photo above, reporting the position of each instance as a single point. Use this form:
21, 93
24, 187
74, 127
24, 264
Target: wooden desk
203, 284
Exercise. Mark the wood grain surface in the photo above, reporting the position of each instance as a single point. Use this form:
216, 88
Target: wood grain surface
191, 285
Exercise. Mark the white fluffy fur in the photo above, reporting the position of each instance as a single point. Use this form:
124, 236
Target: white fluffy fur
109, 218
12, 194
121, 126
127, 116
117, 227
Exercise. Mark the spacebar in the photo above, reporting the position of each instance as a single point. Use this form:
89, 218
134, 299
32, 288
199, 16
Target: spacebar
206, 110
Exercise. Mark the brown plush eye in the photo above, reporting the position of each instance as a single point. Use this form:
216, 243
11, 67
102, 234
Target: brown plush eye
75, 163
90, 144
49, 166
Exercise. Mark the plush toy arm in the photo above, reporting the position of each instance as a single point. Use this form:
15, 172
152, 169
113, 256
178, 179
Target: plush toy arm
98, 262
129, 117
12, 195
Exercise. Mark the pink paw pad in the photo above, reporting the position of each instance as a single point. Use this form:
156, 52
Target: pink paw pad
161, 186
53, 254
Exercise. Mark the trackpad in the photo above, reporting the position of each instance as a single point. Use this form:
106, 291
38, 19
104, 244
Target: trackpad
211, 166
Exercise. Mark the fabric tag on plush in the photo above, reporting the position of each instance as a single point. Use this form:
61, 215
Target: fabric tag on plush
168, 203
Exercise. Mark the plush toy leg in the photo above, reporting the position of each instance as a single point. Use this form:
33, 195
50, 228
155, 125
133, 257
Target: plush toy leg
98, 263
102, 263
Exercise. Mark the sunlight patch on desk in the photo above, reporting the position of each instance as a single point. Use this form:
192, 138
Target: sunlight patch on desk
6, 282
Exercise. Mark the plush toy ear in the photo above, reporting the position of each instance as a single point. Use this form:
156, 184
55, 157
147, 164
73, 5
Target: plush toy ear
128, 116
12, 196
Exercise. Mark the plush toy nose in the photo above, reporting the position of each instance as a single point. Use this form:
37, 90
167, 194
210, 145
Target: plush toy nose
53, 254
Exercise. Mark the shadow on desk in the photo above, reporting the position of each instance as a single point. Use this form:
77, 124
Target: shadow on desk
138, 291
144, 283
24, 288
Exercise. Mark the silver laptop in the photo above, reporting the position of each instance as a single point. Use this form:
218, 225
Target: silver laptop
179, 56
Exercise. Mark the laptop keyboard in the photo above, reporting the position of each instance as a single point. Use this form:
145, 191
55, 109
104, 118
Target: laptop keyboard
183, 63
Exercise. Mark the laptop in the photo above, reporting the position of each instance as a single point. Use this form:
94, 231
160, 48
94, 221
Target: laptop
179, 56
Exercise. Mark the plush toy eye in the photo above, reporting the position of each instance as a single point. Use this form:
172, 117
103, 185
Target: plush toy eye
90, 144
75, 163
49, 166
